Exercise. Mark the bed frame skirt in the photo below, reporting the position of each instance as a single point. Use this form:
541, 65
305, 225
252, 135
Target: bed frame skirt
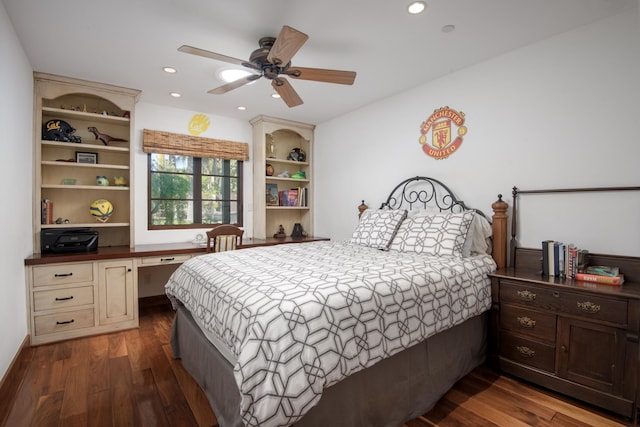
387, 394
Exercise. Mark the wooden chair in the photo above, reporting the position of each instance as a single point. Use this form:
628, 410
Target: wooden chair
224, 237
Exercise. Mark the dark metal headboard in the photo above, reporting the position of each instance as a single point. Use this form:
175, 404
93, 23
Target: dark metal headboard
422, 192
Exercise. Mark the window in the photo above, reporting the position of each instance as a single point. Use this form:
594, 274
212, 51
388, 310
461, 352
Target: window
192, 192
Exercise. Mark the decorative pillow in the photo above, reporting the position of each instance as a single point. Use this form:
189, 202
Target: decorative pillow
438, 235
378, 227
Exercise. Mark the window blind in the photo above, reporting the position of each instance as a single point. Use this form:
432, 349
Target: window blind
154, 141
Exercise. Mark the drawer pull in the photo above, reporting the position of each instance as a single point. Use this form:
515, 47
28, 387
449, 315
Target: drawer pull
63, 274
526, 322
167, 259
527, 295
525, 351
64, 298
66, 322
588, 307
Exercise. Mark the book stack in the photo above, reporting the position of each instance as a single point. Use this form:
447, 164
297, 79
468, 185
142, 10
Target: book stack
563, 260
46, 212
601, 274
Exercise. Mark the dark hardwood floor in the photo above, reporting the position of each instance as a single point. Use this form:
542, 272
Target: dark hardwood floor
130, 378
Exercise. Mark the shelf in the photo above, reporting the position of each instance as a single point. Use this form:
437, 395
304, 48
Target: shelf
88, 224
287, 207
287, 162
278, 179
83, 145
84, 165
71, 114
86, 187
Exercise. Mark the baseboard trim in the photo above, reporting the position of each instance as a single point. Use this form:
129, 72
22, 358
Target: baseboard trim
14, 377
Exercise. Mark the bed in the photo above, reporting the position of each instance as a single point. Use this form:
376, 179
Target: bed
371, 331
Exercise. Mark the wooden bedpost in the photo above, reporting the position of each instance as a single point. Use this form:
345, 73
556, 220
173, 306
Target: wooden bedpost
361, 209
499, 225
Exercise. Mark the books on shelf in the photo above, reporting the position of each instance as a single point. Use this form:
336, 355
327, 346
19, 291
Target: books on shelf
46, 212
607, 280
272, 195
562, 259
294, 197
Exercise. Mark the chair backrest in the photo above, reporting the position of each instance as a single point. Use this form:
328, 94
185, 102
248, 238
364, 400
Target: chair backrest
224, 237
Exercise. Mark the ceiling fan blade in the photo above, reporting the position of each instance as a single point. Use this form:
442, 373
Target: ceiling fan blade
212, 55
286, 92
286, 45
321, 75
234, 84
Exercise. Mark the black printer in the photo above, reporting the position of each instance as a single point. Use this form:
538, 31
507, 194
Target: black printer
59, 240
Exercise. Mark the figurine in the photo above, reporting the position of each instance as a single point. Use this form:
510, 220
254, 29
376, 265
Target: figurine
106, 139
102, 180
119, 181
280, 234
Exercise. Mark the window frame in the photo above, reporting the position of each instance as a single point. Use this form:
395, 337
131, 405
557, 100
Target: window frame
197, 189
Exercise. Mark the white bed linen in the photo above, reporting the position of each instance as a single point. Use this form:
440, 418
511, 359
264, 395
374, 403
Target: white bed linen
301, 317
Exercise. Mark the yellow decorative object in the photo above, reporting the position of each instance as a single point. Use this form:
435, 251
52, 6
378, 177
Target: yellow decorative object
120, 181
101, 209
198, 124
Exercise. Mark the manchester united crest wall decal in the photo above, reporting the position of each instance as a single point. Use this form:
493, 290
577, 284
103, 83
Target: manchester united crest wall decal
442, 133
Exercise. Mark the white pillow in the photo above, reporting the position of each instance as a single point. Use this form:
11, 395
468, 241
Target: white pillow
478, 240
377, 228
438, 235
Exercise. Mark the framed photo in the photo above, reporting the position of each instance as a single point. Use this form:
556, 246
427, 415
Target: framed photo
89, 158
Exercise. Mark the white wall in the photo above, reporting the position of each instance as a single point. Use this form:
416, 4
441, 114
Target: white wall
561, 113
16, 120
155, 117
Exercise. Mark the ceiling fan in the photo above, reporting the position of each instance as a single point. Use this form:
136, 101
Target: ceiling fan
273, 61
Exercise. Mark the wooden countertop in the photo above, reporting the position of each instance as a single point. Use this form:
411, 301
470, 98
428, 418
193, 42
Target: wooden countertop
153, 250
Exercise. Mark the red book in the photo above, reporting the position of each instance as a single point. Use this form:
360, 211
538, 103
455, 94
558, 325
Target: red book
607, 280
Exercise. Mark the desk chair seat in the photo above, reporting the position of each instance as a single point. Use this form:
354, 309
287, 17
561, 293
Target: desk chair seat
223, 238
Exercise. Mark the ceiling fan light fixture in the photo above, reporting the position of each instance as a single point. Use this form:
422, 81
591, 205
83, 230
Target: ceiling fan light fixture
229, 75
416, 7
175, 94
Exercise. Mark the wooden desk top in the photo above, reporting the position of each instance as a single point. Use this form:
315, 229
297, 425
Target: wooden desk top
137, 251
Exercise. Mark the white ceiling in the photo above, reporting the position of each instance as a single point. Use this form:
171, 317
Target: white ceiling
127, 42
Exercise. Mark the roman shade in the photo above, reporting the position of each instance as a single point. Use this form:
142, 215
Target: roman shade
154, 141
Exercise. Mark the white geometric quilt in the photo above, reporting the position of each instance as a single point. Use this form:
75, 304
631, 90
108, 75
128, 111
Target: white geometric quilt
301, 317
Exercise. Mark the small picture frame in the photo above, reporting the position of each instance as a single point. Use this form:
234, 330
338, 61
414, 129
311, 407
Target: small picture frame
87, 158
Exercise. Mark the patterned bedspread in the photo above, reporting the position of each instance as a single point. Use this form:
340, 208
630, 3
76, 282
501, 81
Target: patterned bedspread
301, 317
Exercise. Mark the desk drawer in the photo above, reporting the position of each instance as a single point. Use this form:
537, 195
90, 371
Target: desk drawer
165, 259
61, 322
528, 352
62, 274
532, 323
59, 298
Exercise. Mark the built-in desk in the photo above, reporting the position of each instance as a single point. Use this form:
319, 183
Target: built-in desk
78, 294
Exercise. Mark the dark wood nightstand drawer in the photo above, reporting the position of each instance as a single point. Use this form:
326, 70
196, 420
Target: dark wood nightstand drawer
528, 322
530, 295
528, 352
595, 308
565, 301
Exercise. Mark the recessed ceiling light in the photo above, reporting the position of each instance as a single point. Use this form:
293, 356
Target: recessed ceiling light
228, 75
241, 108
416, 7
448, 28
169, 70
175, 94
